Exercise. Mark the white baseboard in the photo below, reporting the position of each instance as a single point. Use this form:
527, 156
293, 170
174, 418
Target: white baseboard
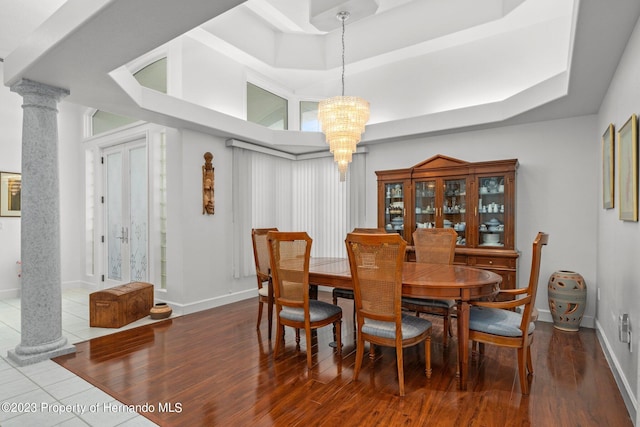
587, 321
79, 284
9, 293
181, 309
628, 395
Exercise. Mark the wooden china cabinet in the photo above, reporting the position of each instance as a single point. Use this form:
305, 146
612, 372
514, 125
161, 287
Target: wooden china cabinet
477, 200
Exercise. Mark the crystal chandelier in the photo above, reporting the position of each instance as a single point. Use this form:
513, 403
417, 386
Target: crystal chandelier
342, 119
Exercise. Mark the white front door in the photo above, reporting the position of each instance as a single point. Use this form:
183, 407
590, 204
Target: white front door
126, 213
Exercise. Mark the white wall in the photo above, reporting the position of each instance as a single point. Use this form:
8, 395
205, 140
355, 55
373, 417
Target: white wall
200, 261
557, 190
212, 79
10, 155
71, 176
618, 253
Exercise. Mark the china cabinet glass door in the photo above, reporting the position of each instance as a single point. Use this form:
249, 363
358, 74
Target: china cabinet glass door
394, 207
426, 203
442, 203
454, 208
491, 211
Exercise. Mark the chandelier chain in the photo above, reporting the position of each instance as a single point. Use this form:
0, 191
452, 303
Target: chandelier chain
343, 19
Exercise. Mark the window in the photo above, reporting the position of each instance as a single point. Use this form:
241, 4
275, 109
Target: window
103, 121
152, 76
266, 108
309, 116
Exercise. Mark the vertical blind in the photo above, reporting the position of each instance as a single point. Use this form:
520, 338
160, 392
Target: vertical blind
294, 195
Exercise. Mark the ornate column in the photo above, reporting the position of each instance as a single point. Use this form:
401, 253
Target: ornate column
41, 294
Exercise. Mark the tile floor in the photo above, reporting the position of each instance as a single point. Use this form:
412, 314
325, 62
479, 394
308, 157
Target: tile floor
46, 394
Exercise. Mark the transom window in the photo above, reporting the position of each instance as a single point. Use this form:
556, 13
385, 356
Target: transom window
309, 116
266, 108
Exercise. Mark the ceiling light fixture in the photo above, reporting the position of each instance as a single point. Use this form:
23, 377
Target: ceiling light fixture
342, 119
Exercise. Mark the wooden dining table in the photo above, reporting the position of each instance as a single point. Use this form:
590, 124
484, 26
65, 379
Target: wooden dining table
420, 280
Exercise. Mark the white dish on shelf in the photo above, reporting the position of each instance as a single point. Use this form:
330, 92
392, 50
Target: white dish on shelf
491, 238
495, 245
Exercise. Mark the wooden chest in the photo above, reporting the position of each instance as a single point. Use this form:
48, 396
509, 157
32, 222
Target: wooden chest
121, 305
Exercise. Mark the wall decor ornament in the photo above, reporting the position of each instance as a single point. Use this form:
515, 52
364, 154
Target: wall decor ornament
567, 293
608, 167
628, 169
10, 192
208, 181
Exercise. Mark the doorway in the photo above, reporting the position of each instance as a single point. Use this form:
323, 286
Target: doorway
126, 213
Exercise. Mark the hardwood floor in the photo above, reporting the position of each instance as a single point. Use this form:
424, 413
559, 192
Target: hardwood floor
215, 368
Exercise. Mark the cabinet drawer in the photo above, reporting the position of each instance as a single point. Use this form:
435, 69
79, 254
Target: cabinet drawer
460, 259
492, 262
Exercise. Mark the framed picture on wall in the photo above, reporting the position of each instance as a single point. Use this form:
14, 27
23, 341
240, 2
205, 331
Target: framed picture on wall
628, 169
10, 188
607, 167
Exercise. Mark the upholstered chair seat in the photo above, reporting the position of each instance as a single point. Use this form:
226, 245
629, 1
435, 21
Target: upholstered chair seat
412, 326
497, 321
318, 310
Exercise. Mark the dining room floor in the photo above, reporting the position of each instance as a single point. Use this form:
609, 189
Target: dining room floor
226, 375
215, 368
55, 396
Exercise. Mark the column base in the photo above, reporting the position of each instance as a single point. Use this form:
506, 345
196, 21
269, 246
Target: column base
23, 355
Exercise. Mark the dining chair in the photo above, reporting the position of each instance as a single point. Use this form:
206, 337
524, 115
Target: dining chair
434, 246
348, 293
261, 258
376, 263
289, 254
499, 324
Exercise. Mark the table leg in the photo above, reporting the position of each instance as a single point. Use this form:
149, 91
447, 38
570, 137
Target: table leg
463, 342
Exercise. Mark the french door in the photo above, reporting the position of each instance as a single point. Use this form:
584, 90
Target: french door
126, 213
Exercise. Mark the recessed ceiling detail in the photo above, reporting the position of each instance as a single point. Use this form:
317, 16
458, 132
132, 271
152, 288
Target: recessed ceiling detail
322, 13
408, 58
426, 66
